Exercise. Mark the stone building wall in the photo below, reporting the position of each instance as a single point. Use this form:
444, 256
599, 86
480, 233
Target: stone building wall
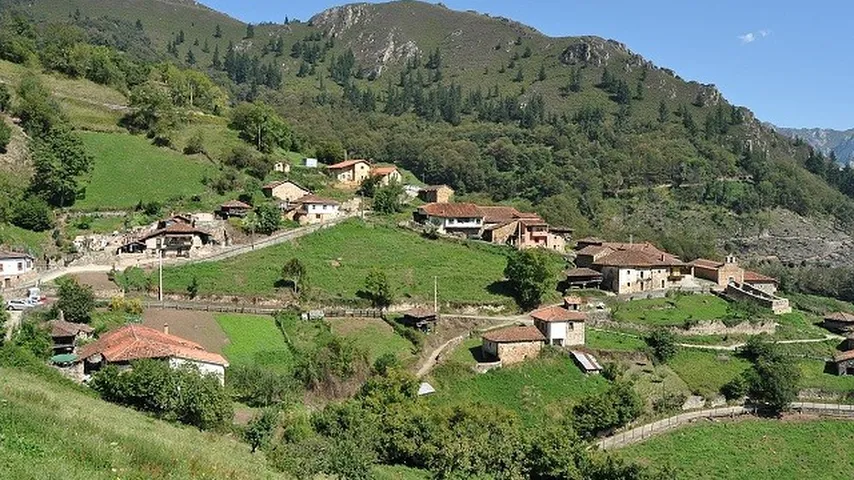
511, 353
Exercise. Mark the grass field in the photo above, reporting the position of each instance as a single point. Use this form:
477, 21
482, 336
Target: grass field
754, 449
602, 340
672, 311
534, 389
705, 372
374, 336
254, 339
128, 169
52, 431
814, 376
19, 239
338, 260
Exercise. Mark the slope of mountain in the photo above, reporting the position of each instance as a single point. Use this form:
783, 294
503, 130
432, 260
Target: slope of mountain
826, 140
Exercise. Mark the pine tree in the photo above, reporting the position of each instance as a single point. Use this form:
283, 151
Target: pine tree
138, 24
216, 64
206, 48
663, 112
191, 58
520, 76
542, 75
575, 79
527, 53
180, 38
250, 31
218, 32
639, 91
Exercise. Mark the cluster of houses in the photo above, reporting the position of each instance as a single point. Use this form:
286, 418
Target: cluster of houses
638, 268
558, 325
79, 355
501, 225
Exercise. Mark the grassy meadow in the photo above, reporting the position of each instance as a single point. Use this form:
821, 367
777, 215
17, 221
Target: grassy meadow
50, 430
705, 371
674, 311
338, 260
753, 449
254, 339
129, 169
374, 336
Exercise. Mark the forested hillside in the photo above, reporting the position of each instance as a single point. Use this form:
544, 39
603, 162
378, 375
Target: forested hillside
582, 129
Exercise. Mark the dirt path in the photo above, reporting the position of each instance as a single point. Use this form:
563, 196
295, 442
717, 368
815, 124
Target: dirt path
435, 356
13, 323
734, 347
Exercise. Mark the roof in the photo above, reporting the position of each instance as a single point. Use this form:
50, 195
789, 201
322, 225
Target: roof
235, 204
420, 313
315, 200
638, 258
591, 240
433, 188
587, 361
176, 229
593, 250
753, 277
841, 357
557, 314
277, 183
514, 335
345, 164
425, 389
573, 300
582, 273
706, 263
840, 317
499, 214
452, 210
135, 342
14, 255
61, 328
382, 171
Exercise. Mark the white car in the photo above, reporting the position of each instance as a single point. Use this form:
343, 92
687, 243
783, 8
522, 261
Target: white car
18, 305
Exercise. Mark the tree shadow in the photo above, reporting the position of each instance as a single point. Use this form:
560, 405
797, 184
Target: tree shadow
282, 283
479, 355
501, 287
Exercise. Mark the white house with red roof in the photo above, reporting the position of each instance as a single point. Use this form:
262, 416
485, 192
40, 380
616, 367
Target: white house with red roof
386, 175
134, 342
561, 326
314, 209
351, 172
463, 218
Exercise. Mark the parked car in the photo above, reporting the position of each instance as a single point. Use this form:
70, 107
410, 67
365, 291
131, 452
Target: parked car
18, 304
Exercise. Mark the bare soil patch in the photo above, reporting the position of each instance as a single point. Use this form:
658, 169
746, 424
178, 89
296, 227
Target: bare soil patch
199, 327
97, 280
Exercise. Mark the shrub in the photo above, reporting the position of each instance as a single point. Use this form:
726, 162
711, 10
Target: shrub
670, 402
132, 306
33, 213
257, 386
75, 301
735, 389
195, 145
601, 413
260, 428
662, 343
5, 135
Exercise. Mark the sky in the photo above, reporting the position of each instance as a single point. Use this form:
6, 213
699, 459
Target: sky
792, 63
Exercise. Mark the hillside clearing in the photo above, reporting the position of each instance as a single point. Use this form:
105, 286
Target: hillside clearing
254, 339
754, 449
338, 259
672, 311
374, 336
52, 431
128, 170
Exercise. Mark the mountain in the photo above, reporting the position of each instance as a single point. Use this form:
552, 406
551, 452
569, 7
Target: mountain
841, 143
582, 129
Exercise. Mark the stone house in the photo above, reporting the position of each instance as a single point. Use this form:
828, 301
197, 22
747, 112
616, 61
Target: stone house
582, 278
844, 363
350, 172
386, 175
507, 226
629, 268
284, 190
66, 335
841, 322
234, 208
721, 273
513, 344
460, 218
436, 194
421, 318
178, 239
761, 282
560, 326
134, 342
15, 268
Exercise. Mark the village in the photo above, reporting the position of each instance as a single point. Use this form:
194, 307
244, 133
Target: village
597, 279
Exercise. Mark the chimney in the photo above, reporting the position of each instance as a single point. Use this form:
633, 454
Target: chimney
166, 328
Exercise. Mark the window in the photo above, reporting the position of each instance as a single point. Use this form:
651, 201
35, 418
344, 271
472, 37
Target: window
1, 267
20, 266
662, 284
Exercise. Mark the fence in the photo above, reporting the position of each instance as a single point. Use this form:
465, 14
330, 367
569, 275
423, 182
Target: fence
254, 310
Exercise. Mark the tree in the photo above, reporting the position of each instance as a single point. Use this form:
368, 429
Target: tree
662, 342
196, 144
217, 31
260, 125
387, 198
541, 76
531, 275
216, 63
33, 213
773, 381
191, 57
520, 76
32, 336
4, 317
5, 135
37, 109
378, 289
663, 112
260, 429
295, 273
60, 159
527, 53
250, 31
75, 301
556, 453
575, 79
269, 218
193, 287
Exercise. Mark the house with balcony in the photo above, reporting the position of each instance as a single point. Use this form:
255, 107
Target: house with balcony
175, 239
507, 226
452, 218
312, 209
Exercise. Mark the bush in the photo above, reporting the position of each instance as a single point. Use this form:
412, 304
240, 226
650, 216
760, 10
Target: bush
670, 402
260, 429
601, 413
735, 389
33, 213
132, 306
34, 338
195, 145
257, 386
75, 301
662, 343
133, 279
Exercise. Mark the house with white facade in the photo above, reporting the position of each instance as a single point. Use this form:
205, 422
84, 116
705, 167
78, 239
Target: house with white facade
14, 268
134, 342
461, 218
313, 209
629, 268
560, 326
350, 172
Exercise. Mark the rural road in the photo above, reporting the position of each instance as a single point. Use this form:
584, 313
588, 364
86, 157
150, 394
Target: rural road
734, 347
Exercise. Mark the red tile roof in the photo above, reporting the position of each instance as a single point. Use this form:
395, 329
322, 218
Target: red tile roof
593, 250
840, 317
514, 335
452, 210
557, 314
382, 171
706, 263
841, 357
61, 328
420, 313
639, 258
582, 273
176, 229
277, 183
345, 164
135, 342
499, 214
753, 277
573, 300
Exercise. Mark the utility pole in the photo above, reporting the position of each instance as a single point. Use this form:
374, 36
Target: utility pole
435, 294
160, 289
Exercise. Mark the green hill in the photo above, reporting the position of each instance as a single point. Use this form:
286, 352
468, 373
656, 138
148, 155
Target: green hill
52, 431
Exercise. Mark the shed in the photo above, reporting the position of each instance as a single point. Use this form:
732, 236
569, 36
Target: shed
513, 344
420, 318
842, 322
844, 363
586, 362
583, 278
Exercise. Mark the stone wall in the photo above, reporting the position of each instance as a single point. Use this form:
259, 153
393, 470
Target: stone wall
510, 353
745, 292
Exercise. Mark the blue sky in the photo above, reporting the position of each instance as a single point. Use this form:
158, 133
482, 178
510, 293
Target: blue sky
792, 63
